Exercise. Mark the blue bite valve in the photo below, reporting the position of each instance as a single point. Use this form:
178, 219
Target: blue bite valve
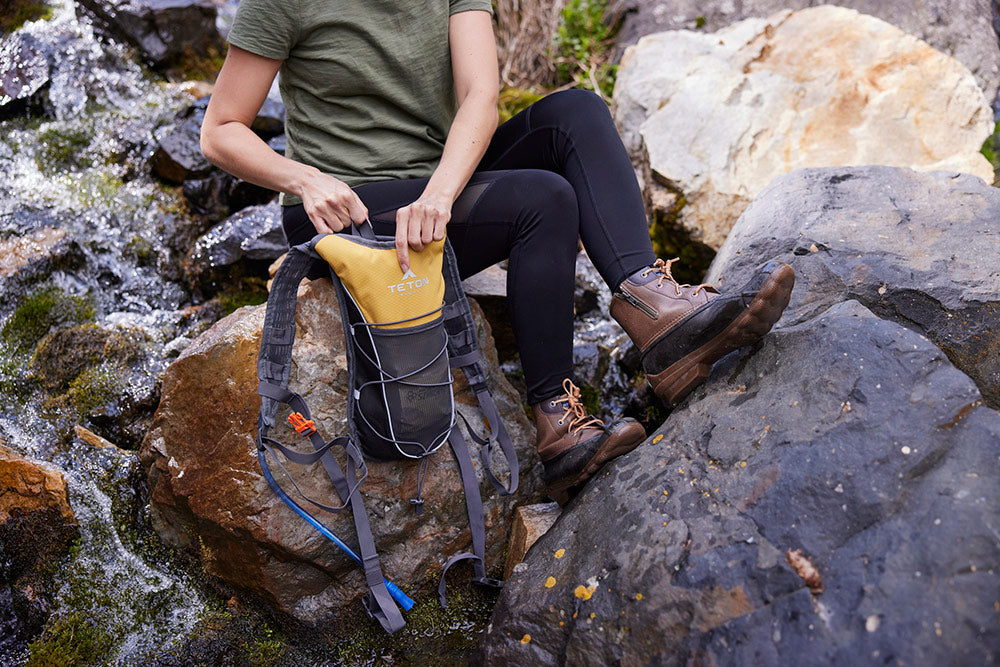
401, 598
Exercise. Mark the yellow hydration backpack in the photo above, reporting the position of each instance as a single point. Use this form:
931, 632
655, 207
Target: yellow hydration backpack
404, 333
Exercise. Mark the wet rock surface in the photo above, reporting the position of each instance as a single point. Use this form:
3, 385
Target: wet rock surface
715, 117
164, 31
178, 157
254, 233
916, 248
208, 496
846, 437
24, 71
37, 526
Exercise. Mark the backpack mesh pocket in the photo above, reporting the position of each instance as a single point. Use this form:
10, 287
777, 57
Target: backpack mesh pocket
403, 405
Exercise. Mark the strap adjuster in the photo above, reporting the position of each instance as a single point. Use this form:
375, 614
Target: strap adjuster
304, 427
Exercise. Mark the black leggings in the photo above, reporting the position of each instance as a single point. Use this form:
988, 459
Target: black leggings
554, 173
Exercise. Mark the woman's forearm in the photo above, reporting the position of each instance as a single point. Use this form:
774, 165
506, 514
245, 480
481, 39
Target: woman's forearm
235, 148
468, 138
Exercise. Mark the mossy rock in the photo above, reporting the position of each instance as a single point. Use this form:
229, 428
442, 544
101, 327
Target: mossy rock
31, 547
64, 354
72, 639
40, 312
15, 13
62, 150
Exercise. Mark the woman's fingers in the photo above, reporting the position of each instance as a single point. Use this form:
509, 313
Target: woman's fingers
331, 204
419, 224
402, 233
356, 209
417, 217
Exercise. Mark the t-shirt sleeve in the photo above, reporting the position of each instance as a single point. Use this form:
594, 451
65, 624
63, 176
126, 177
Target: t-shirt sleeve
456, 6
268, 28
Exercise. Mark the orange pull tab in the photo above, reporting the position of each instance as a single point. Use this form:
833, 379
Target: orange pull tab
304, 427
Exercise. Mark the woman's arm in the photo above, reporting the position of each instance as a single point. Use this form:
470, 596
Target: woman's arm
229, 143
474, 67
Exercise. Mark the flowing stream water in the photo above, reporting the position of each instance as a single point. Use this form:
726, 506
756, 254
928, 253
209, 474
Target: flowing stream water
76, 173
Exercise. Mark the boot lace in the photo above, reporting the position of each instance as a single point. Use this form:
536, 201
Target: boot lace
574, 410
662, 271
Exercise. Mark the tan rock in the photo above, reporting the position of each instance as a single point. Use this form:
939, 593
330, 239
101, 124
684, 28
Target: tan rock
722, 114
530, 523
18, 252
208, 495
29, 486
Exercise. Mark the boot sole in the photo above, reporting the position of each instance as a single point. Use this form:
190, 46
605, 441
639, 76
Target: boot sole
679, 379
561, 491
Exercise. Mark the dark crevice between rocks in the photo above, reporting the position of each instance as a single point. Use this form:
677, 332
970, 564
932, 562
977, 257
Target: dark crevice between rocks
670, 239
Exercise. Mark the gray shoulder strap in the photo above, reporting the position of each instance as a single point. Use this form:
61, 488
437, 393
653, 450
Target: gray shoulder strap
463, 352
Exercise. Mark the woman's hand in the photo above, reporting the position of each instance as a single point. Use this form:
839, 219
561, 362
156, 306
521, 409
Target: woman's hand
420, 223
330, 204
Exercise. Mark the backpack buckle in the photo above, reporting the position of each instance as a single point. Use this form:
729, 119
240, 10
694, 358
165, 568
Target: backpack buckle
304, 427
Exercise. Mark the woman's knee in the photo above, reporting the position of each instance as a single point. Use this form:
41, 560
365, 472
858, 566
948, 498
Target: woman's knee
545, 199
570, 106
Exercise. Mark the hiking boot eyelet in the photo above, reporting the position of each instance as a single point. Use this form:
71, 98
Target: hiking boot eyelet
560, 422
552, 404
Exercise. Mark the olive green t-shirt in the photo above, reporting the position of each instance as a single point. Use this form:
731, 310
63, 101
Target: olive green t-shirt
367, 84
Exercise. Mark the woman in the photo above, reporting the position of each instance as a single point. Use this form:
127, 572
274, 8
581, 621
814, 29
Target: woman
391, 115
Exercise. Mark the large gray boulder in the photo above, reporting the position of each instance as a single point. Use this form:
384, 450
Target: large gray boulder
713, 118
922, 249
830, 496
960, 28
847, 441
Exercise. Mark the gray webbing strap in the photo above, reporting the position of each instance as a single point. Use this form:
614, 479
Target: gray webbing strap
477, 525
275, 360
463, 352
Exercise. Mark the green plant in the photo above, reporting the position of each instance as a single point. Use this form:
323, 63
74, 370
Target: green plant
514, 100
581, 48
991, 151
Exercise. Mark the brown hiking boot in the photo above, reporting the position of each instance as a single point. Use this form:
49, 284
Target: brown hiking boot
681, 330
574, 445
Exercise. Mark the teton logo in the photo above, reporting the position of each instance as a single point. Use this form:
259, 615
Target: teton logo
409, 283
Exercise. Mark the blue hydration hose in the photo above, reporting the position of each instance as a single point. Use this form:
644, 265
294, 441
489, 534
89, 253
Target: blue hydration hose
401, 598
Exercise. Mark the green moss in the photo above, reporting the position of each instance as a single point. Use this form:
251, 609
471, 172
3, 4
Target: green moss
670, 239
96, 187
142, 250
41, 311
93, 388
991, 150
61, 150
591, 398
193, 66
15, 13
699, 22
514, 100
248, 292
432, 636
73, 639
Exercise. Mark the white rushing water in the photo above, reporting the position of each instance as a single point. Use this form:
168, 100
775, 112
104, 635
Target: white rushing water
80, 169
